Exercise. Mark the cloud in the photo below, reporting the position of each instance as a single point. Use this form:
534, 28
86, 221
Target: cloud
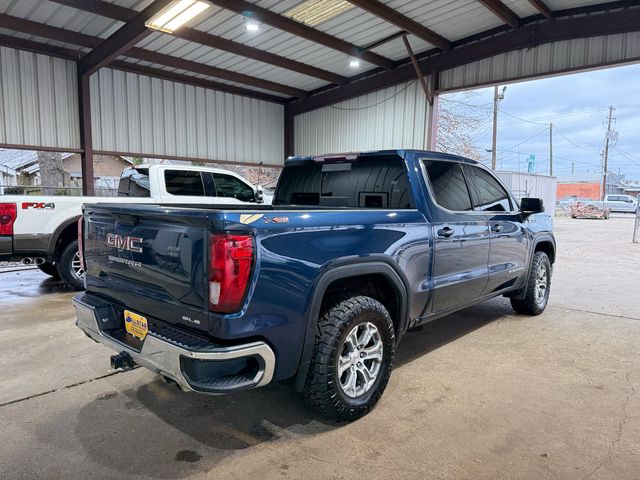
577, 105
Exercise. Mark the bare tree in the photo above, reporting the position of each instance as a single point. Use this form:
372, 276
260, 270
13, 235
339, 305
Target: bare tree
461, 124
52, 175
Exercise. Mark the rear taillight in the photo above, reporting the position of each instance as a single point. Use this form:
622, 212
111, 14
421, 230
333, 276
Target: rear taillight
81, 243
8, 214
230, 263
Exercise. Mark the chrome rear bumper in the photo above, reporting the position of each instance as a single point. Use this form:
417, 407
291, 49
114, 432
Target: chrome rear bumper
166, 357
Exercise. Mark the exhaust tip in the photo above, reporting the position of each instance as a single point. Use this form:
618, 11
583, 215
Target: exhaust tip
39, 261
27, 261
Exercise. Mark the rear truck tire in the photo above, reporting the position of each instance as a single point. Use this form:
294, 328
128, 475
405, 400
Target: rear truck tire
352, 358
537, 287
50, 269
69, 267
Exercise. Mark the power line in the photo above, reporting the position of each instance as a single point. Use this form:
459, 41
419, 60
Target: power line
574, 143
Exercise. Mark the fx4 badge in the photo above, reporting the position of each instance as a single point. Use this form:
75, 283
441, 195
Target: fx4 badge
125, 242
38, 206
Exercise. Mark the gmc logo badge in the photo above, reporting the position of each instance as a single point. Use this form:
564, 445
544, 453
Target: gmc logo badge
125, 242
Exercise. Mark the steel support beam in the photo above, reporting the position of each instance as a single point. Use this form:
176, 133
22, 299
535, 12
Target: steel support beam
86, 140
116, 12
394, 17
542, 8
528, 36
503, 12
74, 55
416, 67
121, 41
88, 41
283, 23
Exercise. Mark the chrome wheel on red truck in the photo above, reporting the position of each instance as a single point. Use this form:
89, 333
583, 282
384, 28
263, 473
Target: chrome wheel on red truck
352, 358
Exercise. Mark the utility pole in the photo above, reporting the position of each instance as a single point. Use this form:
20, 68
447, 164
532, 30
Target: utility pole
551, 149
573, 166
606, 153
495, 127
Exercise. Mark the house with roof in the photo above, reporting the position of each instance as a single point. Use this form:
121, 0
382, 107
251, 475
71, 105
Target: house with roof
21, 169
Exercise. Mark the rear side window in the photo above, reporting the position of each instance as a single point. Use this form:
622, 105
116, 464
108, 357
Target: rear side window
134, 182
231, 187
184, 182
361, 184
448, 185
492, 197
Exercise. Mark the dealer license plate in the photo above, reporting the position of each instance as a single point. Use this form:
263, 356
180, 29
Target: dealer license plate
136, 324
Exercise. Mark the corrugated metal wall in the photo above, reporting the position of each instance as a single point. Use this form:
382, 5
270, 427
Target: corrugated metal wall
545, 59
395, 117
139, 114
528, 185
38, 100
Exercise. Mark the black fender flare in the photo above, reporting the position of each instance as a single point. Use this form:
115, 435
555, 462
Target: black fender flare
53, 239
345, 268
535, 241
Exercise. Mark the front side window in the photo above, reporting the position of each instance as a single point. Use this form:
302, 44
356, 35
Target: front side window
492, 197
448, 185
230, 187
184, 183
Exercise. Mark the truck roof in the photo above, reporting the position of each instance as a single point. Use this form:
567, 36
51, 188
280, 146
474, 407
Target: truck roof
401, 153
183, 167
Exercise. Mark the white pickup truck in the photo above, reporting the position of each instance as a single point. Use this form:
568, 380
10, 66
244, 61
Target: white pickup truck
616, 203
42, 230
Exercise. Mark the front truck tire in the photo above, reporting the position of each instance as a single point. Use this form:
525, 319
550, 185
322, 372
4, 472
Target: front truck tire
352, 358
69, 266
50, 269
537, 288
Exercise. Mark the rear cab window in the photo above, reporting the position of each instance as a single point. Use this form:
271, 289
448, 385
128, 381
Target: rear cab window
184, 183
448, 185
368, 183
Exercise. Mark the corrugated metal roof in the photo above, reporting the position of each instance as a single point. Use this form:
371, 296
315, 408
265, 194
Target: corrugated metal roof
452, 19
543, 60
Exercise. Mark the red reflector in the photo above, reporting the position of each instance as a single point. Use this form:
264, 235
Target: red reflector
230, 263
8, 214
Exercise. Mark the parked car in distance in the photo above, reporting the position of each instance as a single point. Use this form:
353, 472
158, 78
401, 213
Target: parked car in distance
616, 203
42, 229
320, 286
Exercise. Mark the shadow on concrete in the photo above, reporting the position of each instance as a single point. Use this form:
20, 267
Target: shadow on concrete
158, 431
175, 432
437, 333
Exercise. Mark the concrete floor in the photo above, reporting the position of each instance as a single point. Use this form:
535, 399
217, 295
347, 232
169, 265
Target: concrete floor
480, 394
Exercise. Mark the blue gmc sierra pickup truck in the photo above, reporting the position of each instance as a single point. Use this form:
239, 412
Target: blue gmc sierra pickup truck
318, 287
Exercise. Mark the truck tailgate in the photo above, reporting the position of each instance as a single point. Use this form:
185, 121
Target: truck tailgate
150, 257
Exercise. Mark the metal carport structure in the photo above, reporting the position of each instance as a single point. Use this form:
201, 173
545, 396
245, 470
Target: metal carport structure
88, 76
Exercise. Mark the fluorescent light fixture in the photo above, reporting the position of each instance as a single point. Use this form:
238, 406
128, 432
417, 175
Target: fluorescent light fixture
176, 14
314, 12
250, 23
354, 62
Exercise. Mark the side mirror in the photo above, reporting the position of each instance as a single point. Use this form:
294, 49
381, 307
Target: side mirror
530, 206
259, 194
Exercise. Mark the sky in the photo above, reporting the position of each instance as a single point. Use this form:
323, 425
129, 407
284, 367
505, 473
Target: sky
577, 105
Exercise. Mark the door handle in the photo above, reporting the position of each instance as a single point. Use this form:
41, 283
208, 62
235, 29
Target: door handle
497, 228
445, 232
